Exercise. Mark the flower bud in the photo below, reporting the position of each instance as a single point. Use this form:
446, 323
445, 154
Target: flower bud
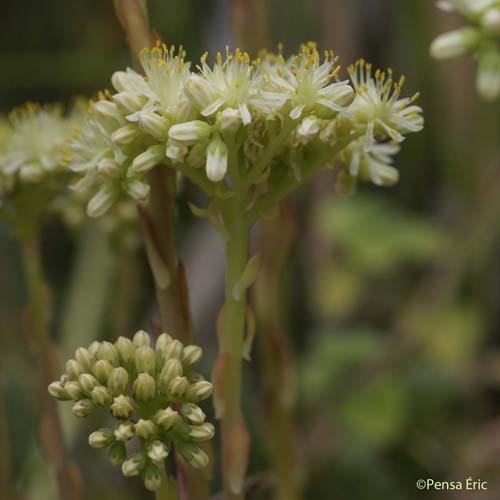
163, 341
199, 91
138, 190
134, 465
122, 81
488, 75
155, 125
101, 202
167, 418
141, 338
200, 433
145, 360
171, 369
491, 21
149, 159
177, 388
56, 390
229, 119
157, 451
193, 455
106, 108
83, 408
74, 390
124, 431
199, 391
108, 353
122, 407
176, 153
217, 158
173, 350
94, 347
101, 396
125, 134
190, 132
455, 43
191, 355
152, 477
87, 382
117, 453
126, 351
85, 358
73, 369
102, 370
308, 128
118, 381
101, 438
144, 388
146, 429
193, 413
128, 102
108, 167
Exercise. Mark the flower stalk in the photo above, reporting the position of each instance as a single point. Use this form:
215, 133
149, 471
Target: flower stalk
51, 436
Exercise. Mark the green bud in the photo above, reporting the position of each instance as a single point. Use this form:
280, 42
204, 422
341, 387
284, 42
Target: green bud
73, 390
85, 358
152, 477
191, 355
157, 451
193, 413
118, 381
145, 360
94, 347
101, 438
173, 350
171, 369
101, 396
74, 369
167, 418
57, 390
146, 429
177, 387
163, 341
144, 388
193, 455
199, 391
117, 453
102, 370
134, 465
124, 431
83, 408
87, 382
200, 433
141, 338
108, 352
126, 351
122, 407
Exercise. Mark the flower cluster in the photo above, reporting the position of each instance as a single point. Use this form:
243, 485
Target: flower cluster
32, 146
152, 392
480, 39
237, 123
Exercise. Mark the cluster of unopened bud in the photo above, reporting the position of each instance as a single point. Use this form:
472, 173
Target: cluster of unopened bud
152, 391
480, 38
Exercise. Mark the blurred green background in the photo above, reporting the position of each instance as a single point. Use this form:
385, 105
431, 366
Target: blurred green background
390, 299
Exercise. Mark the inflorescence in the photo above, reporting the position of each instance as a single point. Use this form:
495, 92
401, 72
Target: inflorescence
480, 39
153, 393
260, 120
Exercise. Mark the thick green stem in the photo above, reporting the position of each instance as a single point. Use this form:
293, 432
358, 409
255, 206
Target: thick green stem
235, 441
51, 436
167, 490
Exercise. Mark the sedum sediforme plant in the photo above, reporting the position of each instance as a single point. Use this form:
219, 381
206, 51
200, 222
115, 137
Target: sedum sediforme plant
248, 133
152, 392
480, 39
